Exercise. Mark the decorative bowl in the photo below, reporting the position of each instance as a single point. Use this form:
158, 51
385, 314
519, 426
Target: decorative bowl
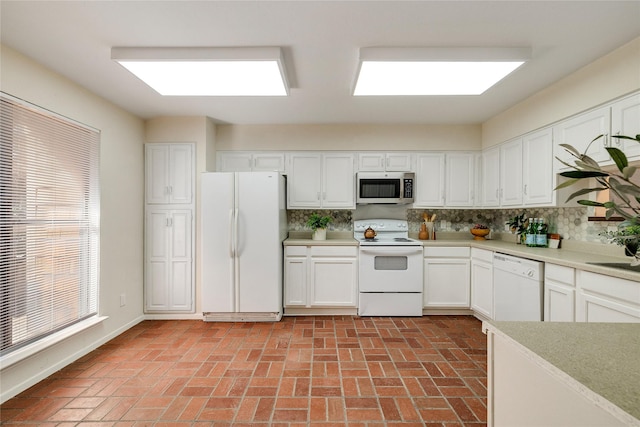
479, 233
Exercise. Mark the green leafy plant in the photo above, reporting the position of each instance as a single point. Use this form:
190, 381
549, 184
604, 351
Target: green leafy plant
316, 221
518, 224
620, 184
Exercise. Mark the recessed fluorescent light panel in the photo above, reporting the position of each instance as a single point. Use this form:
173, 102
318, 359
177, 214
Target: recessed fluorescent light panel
250, 71
434, 71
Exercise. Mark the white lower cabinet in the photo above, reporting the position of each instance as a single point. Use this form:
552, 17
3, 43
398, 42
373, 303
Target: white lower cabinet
601, 298
559, 293
482, 282
168, 259
446, 277
320, 276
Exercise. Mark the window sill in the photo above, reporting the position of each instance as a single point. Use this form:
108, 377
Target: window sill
46, 342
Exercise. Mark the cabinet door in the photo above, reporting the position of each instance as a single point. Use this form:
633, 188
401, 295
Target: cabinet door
156, 173
446, 283
234, 162
295, 281
181, 173
181, 284
429, 191
482, 288
579, 131
338, 182
625, 120
601, 298
537, 168
559, 302
511, 173
157, 254
268, 162
398, 162
333, 282
304, 180
490, 164
371, 162
460, 179
168, 249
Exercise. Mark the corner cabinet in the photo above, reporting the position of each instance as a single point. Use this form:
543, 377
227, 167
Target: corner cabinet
320, 279
318, 180
169, 227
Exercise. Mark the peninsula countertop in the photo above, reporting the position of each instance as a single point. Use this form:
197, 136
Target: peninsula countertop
599, 360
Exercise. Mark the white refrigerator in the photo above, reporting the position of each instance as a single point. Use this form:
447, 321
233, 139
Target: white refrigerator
243, 223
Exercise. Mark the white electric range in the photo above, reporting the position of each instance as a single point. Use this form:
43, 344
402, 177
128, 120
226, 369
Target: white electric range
390, 269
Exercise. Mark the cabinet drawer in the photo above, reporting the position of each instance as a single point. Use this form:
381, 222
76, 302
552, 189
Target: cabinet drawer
295, 251
446, 252
560, 274
482, 255
348, 251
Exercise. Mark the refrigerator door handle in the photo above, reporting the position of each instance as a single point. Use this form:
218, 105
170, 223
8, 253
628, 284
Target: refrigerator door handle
231, 234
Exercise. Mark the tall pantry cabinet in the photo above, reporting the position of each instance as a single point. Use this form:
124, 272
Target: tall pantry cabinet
169, 227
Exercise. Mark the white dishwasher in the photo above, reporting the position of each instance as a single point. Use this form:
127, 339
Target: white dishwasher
517, 288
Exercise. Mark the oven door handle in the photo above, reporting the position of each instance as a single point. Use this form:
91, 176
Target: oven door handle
392, 251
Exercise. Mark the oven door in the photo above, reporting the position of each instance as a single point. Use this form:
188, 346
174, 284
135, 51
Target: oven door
390, 269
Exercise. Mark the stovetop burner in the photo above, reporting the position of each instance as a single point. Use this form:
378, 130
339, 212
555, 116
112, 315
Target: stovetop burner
389, 232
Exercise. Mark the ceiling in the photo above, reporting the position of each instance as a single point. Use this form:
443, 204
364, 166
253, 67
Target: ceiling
320, 41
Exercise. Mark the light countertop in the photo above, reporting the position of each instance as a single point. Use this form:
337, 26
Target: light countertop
576, 255
600, 358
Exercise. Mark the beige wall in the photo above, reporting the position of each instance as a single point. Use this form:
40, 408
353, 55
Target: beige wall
607, 78
348, 137
121, 209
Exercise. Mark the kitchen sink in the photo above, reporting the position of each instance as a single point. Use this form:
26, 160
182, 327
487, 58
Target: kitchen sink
620, 265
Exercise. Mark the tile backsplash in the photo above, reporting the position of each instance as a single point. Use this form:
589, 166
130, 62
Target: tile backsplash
570, 223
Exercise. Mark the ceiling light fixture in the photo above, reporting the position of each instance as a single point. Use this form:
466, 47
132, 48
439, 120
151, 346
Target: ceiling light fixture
207, 71
434, 71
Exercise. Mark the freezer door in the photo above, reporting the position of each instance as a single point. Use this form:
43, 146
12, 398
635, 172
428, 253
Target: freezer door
259, 243
217, 260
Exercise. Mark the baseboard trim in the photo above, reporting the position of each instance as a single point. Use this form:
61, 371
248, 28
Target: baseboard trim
7, 394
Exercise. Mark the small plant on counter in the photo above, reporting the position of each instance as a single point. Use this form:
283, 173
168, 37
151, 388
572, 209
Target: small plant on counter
518, 225
317, 221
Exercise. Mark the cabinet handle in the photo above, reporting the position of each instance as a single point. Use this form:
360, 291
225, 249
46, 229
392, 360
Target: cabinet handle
318, 196
525, 189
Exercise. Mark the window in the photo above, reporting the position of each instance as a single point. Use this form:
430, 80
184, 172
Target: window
49, 223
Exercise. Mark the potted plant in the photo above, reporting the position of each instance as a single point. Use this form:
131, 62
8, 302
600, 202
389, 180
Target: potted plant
318, 225
518, 225
619, 181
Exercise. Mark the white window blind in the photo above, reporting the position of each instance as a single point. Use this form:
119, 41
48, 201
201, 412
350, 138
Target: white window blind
49, 223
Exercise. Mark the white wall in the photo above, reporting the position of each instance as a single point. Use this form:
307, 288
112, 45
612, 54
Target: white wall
605, 79
348, 137
121, 211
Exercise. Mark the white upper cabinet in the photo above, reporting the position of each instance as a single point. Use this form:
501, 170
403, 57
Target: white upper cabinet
578, 132
460, 179
490, 172
625, 120
169, 171
390, 162
430, 176
537, 168
250, 162
511, 173
321, 181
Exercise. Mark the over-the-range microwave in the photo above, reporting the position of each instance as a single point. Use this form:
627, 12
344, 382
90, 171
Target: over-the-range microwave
385, 187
